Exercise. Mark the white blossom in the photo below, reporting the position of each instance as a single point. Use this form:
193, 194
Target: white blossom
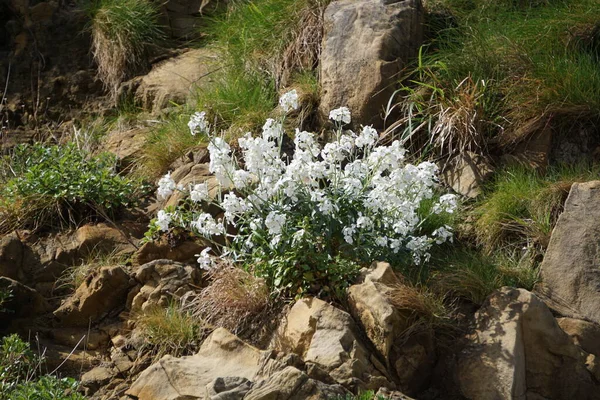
206, 225
198, 123
199, 192
163, 219
341, 114
275, 222
367, 137
166, 187
289, 101
447, 203
205, 260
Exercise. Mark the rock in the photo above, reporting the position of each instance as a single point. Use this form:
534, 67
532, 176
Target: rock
97, 377
326, 336
467, 173
228, 388
182, 252
11, 257
126, 145
391, 395
518, 351
365, 46
293, 384
160, 281
570, 271
410, 362
174, 79
102, 292
23, 301
221, 355
583, 333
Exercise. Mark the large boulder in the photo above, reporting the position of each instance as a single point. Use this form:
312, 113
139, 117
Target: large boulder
570, 270
173, 80
102, 292
366, 44
221, 355
518, 351
467, 173
585, 334
328, 338
411, 361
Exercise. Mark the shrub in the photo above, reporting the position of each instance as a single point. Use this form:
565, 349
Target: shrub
170, 330
306, 224
122, 30
61, 184
19, 378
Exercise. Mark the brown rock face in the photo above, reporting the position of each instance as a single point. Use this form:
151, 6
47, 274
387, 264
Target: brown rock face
571, 268
518, 351
365, 45
100, 294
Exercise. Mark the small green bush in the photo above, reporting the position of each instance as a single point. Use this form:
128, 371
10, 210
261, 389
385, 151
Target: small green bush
47, 388
57, 184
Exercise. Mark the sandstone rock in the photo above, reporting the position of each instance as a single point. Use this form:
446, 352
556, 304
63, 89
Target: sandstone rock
570, 270
518, 351
23, 301
181, 252
583, 333
468, 172
326, 336
160, 280
412, 362
126, 145
97, 377
11, 257
228, 388
293, 384
101, 293
365, 46
221, 355
174, 80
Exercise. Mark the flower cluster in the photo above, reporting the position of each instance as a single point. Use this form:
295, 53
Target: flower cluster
351, 197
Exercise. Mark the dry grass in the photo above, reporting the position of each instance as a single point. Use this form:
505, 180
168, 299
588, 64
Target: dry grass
171, 330
121, 33
231, 300
74, 276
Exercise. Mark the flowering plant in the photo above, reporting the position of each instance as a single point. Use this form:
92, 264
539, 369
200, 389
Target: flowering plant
307, 222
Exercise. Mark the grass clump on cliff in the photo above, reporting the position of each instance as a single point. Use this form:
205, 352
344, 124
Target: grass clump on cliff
46, 186
122, 31
506, 70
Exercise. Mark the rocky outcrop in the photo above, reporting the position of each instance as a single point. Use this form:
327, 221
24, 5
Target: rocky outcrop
126, 144
328, 338
161, 281
409, 361
570, 270
103, 292
585, 334
173, 80
518, 351
365, 46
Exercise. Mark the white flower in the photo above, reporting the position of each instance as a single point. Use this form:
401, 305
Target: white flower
204, 259
298, 236
275, 222
442, 234
367, 137
289, 101
198, 123
381, 241
206, 225
447, 203
199, 192
341, 114
348, 232
163, 219
241, 178
166, 187
272, 130
221, 163
364, 222
234, 206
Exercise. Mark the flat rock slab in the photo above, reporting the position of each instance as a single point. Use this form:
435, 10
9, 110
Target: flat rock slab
571, 268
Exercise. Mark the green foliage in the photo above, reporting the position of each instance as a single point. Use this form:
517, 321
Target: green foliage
49, 184
47, 388
17, 363
122, 30
481, 72
521, 206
